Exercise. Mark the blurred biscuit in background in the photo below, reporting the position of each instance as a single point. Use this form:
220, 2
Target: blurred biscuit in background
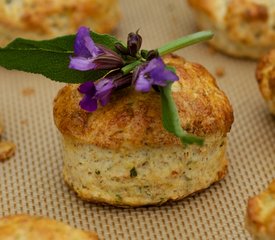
261, 214
27, 227
243, 28
265, 75
44, 19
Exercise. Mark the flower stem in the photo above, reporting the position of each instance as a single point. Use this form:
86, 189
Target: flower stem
128, 68
185, 41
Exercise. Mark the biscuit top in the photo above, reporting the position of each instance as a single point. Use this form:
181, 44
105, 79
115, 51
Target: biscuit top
250, 22
261, 212
265, 75
39, 228
133, 119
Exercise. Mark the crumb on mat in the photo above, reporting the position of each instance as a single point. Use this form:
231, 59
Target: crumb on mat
28, 92
220, 72
24, 122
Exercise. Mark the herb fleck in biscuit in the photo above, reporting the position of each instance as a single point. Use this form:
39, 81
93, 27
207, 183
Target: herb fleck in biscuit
122, 155
44, 19
243, 28
261, 214
24, 227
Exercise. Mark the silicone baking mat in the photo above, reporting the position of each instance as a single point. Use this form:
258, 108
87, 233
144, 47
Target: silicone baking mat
31, 182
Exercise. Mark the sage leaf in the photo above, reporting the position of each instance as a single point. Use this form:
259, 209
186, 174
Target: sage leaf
170, 118
51, 57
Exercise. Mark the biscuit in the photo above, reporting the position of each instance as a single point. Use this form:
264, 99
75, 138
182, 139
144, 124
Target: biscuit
45, 19
261, 214
265, 75
243, 28
122, 155
7, 150
33, 228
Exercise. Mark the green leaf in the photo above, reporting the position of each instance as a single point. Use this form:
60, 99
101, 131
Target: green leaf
170, 118
51, 57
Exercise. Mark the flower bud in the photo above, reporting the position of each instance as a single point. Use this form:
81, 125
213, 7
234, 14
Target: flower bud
121, 48
144, 53
134, 43
152, 54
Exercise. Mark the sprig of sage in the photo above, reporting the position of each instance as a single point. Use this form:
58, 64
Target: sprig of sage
51, 59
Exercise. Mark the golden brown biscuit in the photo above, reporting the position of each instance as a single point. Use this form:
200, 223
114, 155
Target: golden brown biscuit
44, 19
122, 155
265, 75
261, 214
243, 28
24, 227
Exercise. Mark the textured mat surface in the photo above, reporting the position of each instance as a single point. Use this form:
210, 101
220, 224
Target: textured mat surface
31, 182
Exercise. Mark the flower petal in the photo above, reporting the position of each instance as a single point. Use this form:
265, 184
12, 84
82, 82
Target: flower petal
104, 89
91, 56
89, 104
156, 64
82, 64
161, 77
159, 74
87, 88
91, 46
142, 84
80, 45
105, 99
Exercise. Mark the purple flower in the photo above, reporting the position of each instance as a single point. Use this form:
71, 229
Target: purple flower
91, 56
101, 90
152, 73
95, 92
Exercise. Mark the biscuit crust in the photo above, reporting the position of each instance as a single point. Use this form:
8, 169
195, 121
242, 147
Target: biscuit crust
261, 214
33, 228
243, 28
133, 119
44, 19
265, 75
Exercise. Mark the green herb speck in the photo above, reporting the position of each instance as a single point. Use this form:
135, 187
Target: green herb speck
133, 172
119, 198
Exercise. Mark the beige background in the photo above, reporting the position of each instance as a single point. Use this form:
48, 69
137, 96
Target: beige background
31, 181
